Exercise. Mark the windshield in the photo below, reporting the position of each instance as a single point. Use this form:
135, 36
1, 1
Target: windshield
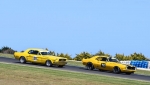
113, 60
45, 53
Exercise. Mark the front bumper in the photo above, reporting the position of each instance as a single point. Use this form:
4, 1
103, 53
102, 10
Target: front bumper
60, 63
126, 70
129, 69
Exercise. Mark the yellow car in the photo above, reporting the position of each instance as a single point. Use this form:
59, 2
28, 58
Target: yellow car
104, 63
40, 56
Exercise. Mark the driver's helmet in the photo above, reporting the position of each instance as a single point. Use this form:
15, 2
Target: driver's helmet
110, 58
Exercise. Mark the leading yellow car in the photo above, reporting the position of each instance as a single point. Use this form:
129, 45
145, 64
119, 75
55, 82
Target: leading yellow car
104, 63
42, 56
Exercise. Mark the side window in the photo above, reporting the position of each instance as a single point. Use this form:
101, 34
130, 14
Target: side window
104, 59
30, 52
33, 52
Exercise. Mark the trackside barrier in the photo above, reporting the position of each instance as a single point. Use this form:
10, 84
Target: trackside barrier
139, 64
148, 64
125, 62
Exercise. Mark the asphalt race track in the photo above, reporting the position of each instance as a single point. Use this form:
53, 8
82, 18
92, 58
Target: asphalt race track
82, 69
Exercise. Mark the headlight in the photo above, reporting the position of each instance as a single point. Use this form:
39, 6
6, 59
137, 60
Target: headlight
126, 67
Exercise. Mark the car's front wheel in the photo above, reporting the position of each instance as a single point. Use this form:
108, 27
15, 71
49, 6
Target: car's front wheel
48, 63
22, 60
116, 70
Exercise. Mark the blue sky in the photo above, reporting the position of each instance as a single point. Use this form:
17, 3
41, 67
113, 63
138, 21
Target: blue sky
74, 26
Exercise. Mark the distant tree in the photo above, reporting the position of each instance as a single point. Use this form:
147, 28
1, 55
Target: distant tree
52, 53
64, 55
61, 55
120, 56
9, 51
100, 53
6, 49
134, 56
68, 56
138, 56
82, 55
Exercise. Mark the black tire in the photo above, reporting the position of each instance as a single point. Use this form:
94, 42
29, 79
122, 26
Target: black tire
89, 66
22, 60
128, 73
116, 70
60, 66
48, 63
101, 70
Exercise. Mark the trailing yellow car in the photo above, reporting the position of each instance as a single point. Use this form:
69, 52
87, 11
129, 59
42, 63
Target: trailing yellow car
104, 63
40, 56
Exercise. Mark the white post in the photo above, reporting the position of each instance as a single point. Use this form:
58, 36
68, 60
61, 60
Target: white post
148, 64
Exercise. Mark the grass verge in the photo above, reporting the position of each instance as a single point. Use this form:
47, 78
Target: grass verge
6, 55
23, 75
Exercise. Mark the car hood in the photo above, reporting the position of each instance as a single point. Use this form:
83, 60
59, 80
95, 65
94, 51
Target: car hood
122, 64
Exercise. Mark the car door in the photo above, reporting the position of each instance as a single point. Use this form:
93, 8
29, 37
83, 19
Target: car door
33, 56
97, 62
30, 56
38, 58
103, 63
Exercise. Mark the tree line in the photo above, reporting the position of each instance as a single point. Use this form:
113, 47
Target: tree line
80, 56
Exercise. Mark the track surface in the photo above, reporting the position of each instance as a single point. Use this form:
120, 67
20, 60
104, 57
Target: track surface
82, 69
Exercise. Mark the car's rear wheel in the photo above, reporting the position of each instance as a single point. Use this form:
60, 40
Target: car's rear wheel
89, 66
22, 60
116, 70
48, 63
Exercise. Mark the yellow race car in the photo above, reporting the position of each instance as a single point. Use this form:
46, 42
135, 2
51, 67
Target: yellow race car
41, 56
104, 63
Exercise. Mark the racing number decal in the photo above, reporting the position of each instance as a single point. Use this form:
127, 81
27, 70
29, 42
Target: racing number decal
103, 65
34, 58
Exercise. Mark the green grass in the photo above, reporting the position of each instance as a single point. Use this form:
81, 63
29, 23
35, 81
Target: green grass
24, 75
74, 63
6, 55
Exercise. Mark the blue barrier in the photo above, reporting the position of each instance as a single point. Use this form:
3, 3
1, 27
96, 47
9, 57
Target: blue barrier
139, 64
